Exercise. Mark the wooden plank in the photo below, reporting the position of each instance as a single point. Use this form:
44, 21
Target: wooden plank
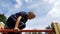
54, 25
58, 26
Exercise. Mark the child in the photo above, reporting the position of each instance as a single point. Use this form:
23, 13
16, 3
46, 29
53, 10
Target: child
18, 20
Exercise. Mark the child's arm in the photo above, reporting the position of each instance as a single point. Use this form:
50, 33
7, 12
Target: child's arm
17, 22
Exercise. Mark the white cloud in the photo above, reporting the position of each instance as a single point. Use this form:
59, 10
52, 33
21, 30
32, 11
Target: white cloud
55, 12
50, 1
12, 9
38, 23
28, 1
19, 3
43, 22
34, 5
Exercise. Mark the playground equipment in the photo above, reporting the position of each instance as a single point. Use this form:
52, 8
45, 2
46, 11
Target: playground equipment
55, 29
11, 30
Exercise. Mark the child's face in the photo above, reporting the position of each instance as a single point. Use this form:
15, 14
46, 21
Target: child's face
31, 15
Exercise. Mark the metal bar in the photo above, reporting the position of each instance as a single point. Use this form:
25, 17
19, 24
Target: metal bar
11, 30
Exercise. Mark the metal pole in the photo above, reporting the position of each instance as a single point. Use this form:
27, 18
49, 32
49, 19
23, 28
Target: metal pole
11, 30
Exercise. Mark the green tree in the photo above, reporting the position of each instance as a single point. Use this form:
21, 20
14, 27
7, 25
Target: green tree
2, 18
48, 27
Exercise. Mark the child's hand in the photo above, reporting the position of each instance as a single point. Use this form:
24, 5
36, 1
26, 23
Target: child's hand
16, 30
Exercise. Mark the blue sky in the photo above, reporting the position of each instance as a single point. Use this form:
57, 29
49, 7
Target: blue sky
47, 11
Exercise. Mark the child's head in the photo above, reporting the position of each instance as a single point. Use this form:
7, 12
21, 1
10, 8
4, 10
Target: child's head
31, 15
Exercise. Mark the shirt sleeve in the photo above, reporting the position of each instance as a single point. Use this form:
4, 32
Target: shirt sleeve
23, 14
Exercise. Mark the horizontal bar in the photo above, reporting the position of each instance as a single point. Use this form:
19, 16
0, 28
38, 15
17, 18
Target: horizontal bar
11, 30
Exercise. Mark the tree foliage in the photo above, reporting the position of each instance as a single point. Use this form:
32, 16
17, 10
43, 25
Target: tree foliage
2, 18
48, 27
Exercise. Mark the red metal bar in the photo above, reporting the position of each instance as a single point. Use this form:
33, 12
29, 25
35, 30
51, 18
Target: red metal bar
11, 30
